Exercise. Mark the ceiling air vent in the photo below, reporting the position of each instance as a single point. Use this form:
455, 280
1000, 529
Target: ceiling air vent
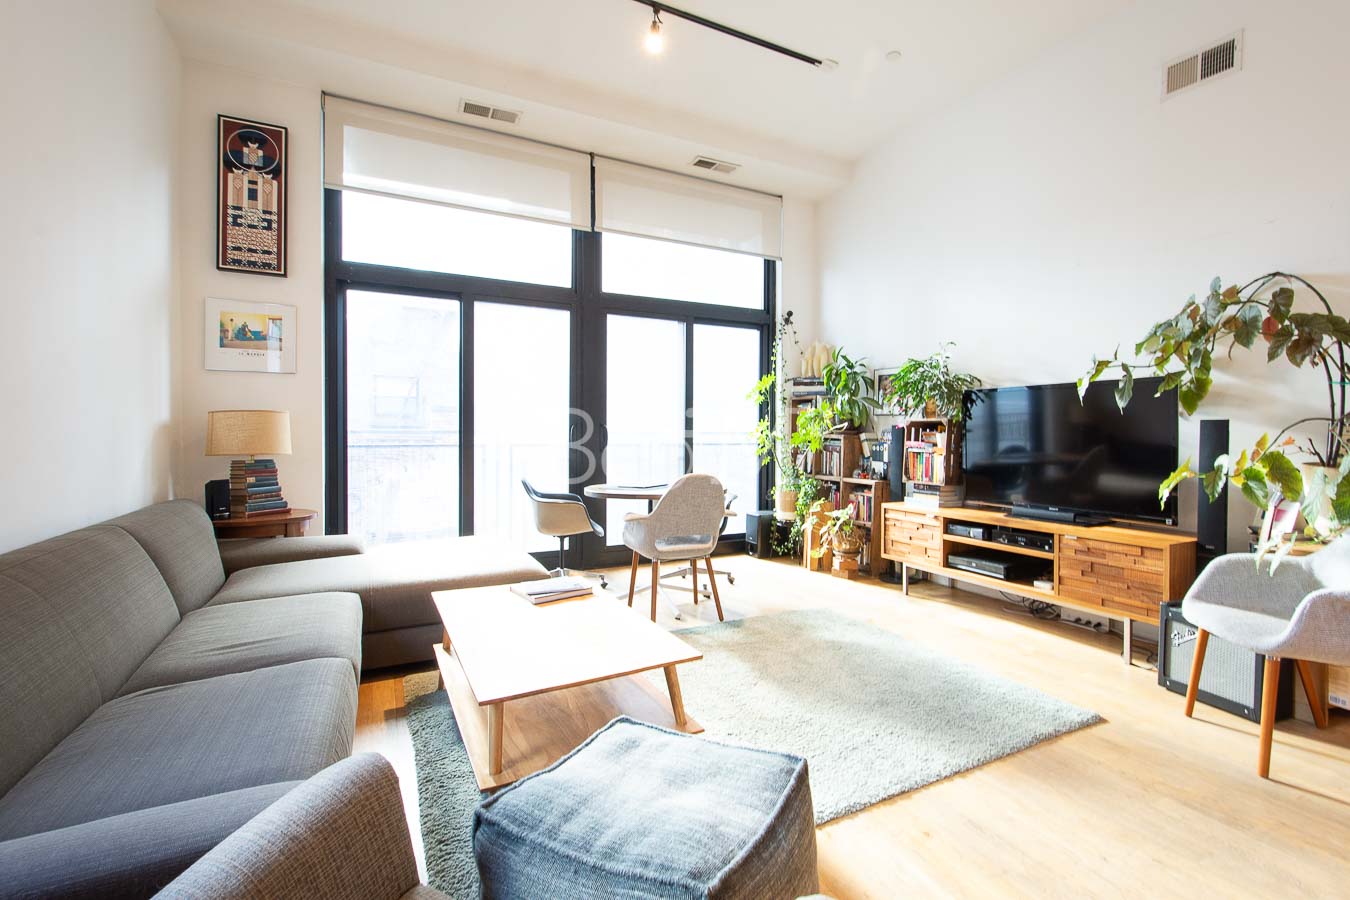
714, 165
1207, 63
486, 111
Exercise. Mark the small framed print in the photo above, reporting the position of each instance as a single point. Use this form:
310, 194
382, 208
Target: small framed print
250, 196
881, 380
249, 337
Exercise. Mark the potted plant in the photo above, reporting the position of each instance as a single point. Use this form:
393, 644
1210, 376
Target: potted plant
842, 533
929, 385
848, 391
795, 490
1181, 350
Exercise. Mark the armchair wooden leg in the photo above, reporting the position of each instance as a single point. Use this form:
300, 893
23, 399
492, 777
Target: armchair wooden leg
1305, 675
656, 580
712, 581
1197, 663
632, 579
1269, 689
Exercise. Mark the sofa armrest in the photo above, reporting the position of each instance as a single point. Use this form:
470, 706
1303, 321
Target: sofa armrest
341, 834
246, 553
132, 854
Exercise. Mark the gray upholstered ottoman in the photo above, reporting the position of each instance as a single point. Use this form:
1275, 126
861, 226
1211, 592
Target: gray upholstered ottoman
639, 811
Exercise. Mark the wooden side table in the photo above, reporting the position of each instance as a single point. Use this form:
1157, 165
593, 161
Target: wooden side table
287, 523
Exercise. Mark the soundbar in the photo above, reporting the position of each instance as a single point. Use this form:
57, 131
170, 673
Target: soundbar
1055, 514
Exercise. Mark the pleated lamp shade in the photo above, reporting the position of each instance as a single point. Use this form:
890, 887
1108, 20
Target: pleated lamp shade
247, 432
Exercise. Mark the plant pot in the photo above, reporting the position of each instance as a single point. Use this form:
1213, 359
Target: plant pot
848, 546
785, 505
930, 409
1323, 520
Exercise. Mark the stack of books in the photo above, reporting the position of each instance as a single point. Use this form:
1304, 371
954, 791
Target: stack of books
935, 496
254, 488
548, 589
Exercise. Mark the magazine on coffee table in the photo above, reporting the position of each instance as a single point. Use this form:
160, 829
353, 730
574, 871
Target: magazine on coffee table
548, 589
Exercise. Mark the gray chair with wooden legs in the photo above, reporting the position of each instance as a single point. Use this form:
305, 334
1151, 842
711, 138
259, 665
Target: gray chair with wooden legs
684, 525
563, 516
692, 568
1301, 611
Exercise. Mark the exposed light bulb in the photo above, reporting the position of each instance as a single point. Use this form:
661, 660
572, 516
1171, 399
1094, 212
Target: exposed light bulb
654, 42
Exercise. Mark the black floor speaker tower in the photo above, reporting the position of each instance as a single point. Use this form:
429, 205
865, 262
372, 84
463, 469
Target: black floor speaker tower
1211, 516
895, 468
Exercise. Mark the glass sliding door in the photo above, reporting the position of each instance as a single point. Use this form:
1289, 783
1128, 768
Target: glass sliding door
645, 409
522, 364
726, 358
402, 412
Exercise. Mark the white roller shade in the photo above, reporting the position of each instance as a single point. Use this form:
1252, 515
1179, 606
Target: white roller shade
631, 199
383, 151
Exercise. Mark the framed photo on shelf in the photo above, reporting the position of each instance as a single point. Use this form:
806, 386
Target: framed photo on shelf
250, 196
881, 380
242, 336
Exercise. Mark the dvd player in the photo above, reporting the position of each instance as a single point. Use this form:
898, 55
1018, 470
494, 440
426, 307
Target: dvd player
1032, 540
1003, 566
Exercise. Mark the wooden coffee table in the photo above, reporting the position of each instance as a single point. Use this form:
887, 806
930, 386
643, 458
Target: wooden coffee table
529, 683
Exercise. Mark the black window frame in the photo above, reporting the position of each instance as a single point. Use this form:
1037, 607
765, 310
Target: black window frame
588, 306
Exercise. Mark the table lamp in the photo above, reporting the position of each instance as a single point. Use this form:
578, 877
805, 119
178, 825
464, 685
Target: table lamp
251, 435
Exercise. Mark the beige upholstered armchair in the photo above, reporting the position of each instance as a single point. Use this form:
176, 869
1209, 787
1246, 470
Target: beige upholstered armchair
1301, 611
684, 525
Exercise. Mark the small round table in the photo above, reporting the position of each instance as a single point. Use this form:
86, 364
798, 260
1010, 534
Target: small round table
649, 492
287, 523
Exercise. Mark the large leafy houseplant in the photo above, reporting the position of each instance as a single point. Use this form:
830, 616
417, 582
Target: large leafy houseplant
1181, 350
848, 391
928, 386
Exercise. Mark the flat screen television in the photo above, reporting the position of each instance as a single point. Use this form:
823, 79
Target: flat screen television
1044, 453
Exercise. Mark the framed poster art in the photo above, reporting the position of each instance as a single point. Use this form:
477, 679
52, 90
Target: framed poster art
250, 196
249, 337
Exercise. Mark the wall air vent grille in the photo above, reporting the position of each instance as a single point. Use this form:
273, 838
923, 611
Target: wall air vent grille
1210, 62
487, 111
707, 163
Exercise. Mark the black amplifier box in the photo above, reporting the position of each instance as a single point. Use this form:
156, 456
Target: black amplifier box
962, 529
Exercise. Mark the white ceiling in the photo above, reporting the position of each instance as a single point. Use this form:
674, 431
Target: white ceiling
578, 69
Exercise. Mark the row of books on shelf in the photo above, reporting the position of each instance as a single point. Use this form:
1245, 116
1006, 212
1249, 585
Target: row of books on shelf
925, 460
254, 488
862, 505
832, 460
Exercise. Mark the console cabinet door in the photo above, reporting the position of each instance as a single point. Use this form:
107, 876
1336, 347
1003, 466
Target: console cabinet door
1122, 579
912, 535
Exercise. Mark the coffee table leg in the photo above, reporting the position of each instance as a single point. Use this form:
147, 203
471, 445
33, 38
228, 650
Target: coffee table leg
676, 698
496, 714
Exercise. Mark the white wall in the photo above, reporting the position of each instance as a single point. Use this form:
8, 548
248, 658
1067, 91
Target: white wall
1064, 209
90, 92
209, 90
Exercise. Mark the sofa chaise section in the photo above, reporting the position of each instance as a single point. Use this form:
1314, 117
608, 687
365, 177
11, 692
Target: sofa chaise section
395, 582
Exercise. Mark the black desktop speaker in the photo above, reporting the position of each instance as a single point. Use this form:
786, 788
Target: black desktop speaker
218, 498
1211, 516
895, 469
1231, 678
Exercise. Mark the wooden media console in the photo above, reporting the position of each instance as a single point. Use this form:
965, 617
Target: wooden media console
1117, 571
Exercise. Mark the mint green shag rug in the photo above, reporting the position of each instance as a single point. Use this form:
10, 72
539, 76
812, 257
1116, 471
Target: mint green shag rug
875, 716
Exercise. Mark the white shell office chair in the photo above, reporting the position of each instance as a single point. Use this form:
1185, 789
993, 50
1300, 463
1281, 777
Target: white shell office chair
563, 516
684, 525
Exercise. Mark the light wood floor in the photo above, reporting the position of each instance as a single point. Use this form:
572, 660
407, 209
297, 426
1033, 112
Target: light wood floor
1146, 803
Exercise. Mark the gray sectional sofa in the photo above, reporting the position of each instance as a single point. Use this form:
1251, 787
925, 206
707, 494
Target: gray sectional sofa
151, 705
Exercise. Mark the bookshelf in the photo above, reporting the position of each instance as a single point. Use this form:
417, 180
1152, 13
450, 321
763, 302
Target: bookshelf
835, 466
932, 452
